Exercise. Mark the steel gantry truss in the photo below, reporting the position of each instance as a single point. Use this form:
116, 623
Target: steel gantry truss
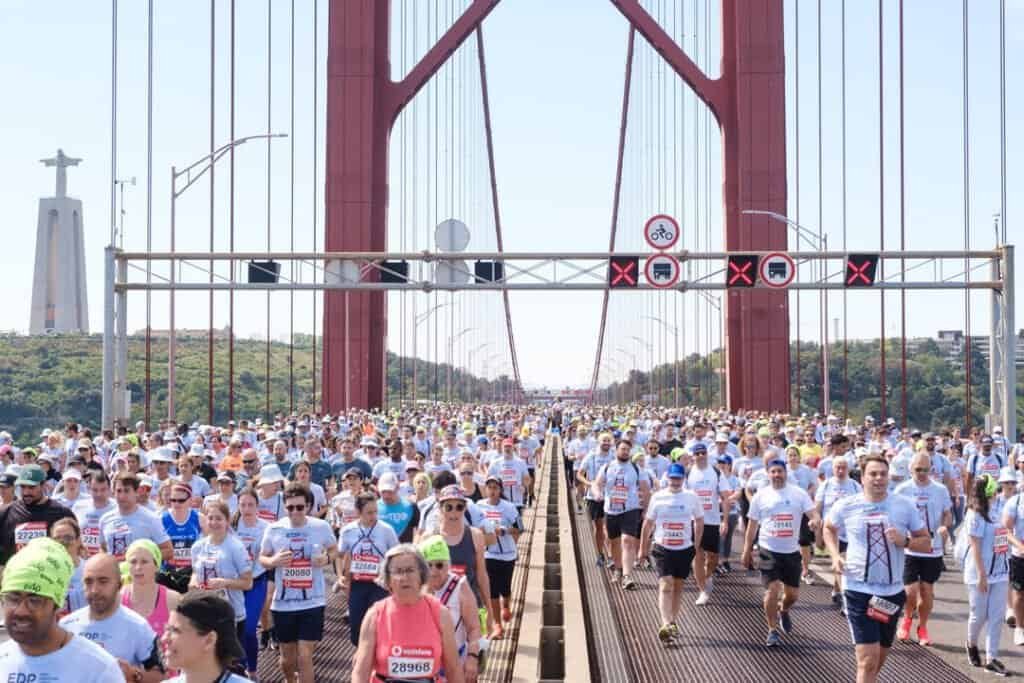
539, 271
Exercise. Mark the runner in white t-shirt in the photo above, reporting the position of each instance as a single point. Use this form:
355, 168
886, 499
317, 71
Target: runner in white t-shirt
674, 518
713, 492
775, 514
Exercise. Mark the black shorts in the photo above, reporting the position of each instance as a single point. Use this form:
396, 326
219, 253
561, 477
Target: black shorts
864, 629
711, 538
806, 535
532, 472
927, 569
627, 523
784, 567
1017, 573
596, 509
674, 563
842, 547
500, 574
303, 624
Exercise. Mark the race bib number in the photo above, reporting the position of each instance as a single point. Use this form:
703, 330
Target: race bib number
298, 575
91, 539
411, 662
268, 515
705, 498
781, 526
1002, 541
882, 610
458, 569
23, 533
674, 534
365, 567
182, 556
617, 502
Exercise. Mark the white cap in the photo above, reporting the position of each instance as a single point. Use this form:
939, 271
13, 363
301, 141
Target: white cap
270, 474
995, 430
387, 482
721, 437
72, 473
1006, 475
162, 454
197, 449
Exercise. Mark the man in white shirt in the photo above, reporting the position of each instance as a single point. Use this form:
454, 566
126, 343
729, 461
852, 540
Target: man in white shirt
775, 514
674, 518
117, 629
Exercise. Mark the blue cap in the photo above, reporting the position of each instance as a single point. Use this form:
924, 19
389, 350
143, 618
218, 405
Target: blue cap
777, 462
676, 470
700, 447
617, 434
725, 459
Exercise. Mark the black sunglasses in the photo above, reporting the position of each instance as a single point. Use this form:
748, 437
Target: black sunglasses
295, 508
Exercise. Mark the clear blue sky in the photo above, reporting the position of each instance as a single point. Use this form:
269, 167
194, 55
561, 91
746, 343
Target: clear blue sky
555, 73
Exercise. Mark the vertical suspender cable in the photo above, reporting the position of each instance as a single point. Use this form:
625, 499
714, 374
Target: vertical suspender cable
291, 214
616, 199
903, 245
316, 9
1002, 121
881, 208
149, 195
846, 363
499, 237
402, 219
270, 25
967, 218
213, 102
796, 111
231, 227
822, 271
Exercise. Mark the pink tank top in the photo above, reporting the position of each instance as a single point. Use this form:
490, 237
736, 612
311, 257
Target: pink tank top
405, 649
158, 617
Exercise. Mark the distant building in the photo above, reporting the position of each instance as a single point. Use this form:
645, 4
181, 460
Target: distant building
59, 300
951, 344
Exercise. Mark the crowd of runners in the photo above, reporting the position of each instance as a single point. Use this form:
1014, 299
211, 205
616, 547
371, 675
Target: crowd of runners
891, 507
191, 552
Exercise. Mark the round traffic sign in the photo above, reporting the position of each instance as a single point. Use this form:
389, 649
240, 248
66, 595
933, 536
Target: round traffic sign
662, 271
777, 270
661, 232
451, 235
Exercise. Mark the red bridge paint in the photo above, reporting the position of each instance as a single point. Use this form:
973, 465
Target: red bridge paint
748, 100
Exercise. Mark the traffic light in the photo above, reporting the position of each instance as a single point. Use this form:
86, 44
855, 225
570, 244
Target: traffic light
623, 271
741, 270
860, 270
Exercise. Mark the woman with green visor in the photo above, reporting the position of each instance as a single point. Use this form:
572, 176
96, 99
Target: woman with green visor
453, 592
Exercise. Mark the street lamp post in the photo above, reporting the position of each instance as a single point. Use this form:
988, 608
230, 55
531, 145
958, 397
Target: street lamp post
675, 364
650, 354
820, 243
469, 367
415, 338
191, 174
633, 356
451, 357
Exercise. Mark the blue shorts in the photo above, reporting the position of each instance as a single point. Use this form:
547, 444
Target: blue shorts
864, 629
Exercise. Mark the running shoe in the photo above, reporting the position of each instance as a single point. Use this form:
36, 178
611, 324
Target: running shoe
903, 632
922, 636
996, 667
1011, 618
628, 583
600, 561
837, 598
610, 563
675, 629
665, 633
702, 599
773, 639
808, 578
1018, 636
786, 622
973, 656
264, 640
728, 567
